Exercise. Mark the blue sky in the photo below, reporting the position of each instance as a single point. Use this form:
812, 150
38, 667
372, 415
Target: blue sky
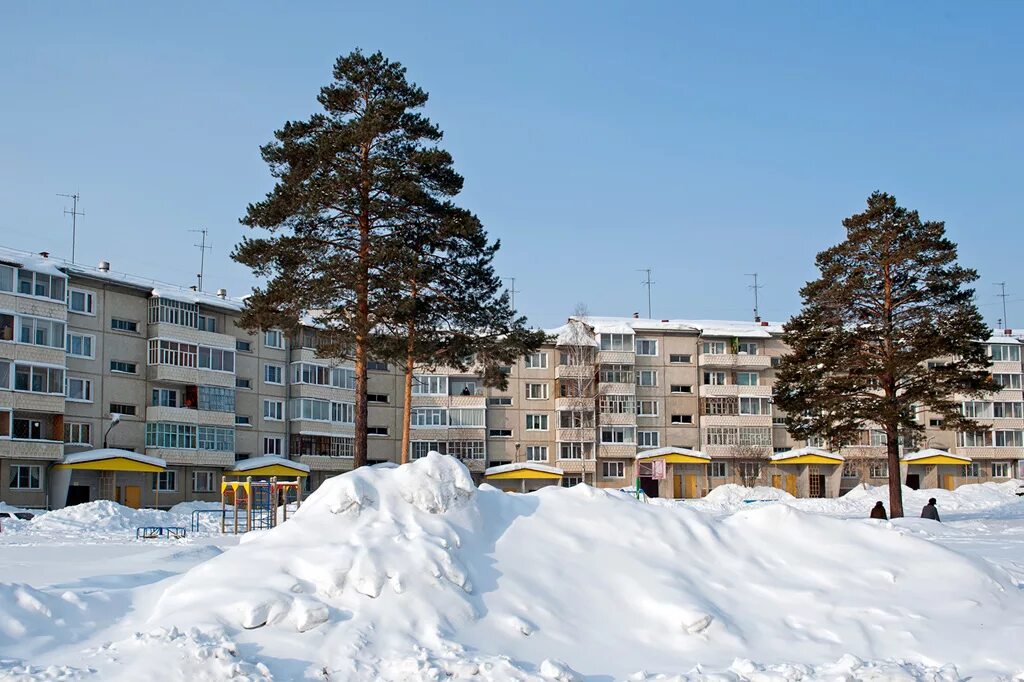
705, 141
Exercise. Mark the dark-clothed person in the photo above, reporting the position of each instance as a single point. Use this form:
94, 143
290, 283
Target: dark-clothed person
930, 511
878, 512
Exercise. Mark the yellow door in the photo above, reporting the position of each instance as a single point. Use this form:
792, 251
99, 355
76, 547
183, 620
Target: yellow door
677, 487
691, 486
791, 484
947, 482
132, 496
777, 481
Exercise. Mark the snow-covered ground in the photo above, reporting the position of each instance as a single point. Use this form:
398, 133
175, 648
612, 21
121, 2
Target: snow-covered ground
412, 573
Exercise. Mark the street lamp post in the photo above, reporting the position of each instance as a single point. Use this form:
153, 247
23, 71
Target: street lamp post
115, 419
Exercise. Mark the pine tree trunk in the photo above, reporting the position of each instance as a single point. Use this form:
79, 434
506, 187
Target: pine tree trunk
892, 448
410, 363
362, 316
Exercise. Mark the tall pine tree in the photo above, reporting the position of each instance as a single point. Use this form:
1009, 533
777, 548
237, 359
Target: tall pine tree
889, 298
344, 179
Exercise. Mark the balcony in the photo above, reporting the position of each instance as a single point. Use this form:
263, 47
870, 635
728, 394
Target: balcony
575, 435
616, 357
713, 390
615, 388
574, 404
326, 463
617, 450
49, 450
737, 360
618, 419
574, 372
176, 332
189, 457
187, 415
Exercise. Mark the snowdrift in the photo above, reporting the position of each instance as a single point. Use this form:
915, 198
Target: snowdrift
412, 573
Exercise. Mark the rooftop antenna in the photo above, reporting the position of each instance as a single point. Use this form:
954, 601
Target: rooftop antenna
513, 291
647, 283
74, 219
755, 286
203, 248
1002, 295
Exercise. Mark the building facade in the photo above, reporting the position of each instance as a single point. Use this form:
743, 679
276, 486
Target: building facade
79, 344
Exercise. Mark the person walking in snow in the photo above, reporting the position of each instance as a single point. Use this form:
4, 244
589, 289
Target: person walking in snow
878, 511
929, 511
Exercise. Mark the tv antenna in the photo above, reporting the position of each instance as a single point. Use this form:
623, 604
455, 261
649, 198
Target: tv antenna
1002, 295
755, 286
647, 283
203, 248
74, 219
512, 291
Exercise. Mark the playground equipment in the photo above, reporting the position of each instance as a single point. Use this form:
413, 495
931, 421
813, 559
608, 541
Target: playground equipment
197, 513
150, 532
254, 504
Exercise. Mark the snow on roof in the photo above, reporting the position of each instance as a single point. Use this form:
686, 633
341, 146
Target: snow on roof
520, 466
632, 325
267, 461
998, 337
931, 452
31, 261
110, 453
800, 452
658, 452
572, 333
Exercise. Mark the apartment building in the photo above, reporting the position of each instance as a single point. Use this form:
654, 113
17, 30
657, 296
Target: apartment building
605, 401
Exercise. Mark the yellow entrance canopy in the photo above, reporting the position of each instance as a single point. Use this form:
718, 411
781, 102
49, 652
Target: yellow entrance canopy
808, 455
112, 459
522, 470
268, 466
672, 455
934, 456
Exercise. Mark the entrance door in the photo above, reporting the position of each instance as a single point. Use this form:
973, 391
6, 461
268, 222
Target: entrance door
791, 484
677, 487
914, 481
691, 486
132, 496
77, 494
649, 486
777, 481
816, 485
947, 482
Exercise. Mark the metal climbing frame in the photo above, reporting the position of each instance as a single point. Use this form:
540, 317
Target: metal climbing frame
255, 503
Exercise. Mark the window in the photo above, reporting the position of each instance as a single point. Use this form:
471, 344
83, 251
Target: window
536, 361
617, 404
714, 378
165, 481
81, 301
375, 366
570, 451
164, 397
216, 359
1008, 410
681, 388
37, 284
376, 430
647, 347
720, 435
536, 391
26, 477
79, 389
680, 359
77, 432
974, 439
536, 422
39, 331
273, 338
570, 481
122, 409
1004, 352
207, 323
755, 405
376, 397
80, 345
1009, 439
721, 405
241, 382
320, 375
613, 435
27, 429
170, 435
776, 362
5, 375
429, 385
272, 374
972, 470
617, 374
746, 378
7, 327
174, 312
648, 439
719, 469
243, 346
216, 438
500, 433
36, 379
420, 448
6, 278
613, 469
119, 325
466, 417
1001, 469
754, 436
647, 377
536, 453
573, 419
714, 348
164, 352
499, 401
216, 399
428, 417
747, 348
750, 469
122, 367
935, 423
878, 469
1011, 381
243, 420
622, 342
977, 409
466, 449
647, 408
682, 419
273, 446
203, 481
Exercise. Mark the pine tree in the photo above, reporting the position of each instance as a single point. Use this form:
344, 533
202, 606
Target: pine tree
345, 183
889, 298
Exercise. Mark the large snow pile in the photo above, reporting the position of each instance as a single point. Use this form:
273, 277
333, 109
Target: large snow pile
413, 573
970, 497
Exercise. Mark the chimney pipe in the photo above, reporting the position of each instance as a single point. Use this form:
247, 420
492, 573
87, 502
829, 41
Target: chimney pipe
104, 266
44, 254
222, 293
764, 323
636, 316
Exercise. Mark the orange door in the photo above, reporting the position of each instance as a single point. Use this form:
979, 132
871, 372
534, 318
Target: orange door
132, 496
677, 487
791, 485
777, 481
947, 482
691, 486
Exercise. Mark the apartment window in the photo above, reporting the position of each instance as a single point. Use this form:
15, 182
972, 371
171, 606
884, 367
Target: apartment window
273, 338
207, 323
27, 429
570, 481
466, 449
165, 481
6, 278
375, 366
617, 374
37, 284
647, 377
376, 398
714, 348
1009, 438
243, 346
216, 359
719, 469
500, 433
79, 389
272, 374
755, 405
935, 364
878, 470
720, 435
5, 375
421, 448
536, 361
119, 325
536, 391
746, 348
170, 435
26, 477
7, 322
754, 436
1001, 469
466, 417
203, 481
647, 408
747, 378
39, 331
36, 379
428, 417
122, 409
648, 439
750, 470
623, 342
1008, 410
935, 423
1011, 381
573, 419
714, 378
243, 420
680, 358
570, 451
682, 419
647, 347
79, 433
168, 311
1004, 352
273, 446
216, 438
500, 401
376, 430
721, 405
681, 388
536, 422
122, 367
164, 352
216, 399
613, 435
536, 453
977, 409
429, 385
164, 397
878, 438
80, 345
241, 382
974, 439
972, 470
613, 469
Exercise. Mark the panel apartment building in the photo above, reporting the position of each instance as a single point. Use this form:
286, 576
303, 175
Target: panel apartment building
79, 344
